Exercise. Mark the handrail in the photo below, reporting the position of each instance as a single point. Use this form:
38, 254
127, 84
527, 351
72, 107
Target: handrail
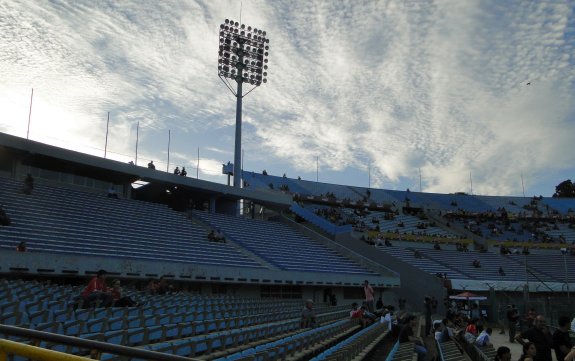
90, 344
34, 353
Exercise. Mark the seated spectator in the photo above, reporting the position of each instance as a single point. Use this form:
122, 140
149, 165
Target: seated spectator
388, 243
151, 165
471, 327
120, 301
22, 247
406, 335
438, 330
417, 254
436, 246
501, 271
357, 313
152, 287
308, 318
476, 264
177, 171
212, 236
484, 338
96, 290
112, 192
4, 219
525, 250
164, 287
387, 318
183, 173
28, 184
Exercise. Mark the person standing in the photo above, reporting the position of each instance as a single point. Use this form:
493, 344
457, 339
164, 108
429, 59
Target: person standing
512, 318
368, 290
561, 340
540, 336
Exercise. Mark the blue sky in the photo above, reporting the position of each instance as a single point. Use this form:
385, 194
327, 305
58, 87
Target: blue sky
392, 86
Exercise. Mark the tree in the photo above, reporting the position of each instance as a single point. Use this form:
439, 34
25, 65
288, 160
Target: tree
565, 189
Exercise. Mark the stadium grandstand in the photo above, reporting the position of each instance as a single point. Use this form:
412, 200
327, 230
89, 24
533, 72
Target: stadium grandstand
233, 285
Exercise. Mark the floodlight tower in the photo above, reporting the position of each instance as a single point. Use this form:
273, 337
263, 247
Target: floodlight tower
242, 57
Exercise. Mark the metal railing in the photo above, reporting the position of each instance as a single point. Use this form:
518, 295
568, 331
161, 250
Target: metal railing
8, 347
99, 347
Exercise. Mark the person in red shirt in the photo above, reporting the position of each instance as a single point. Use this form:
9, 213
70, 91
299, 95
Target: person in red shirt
96, 290
119, 299
471, 327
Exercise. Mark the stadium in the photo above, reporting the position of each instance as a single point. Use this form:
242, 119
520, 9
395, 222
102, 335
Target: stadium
105, 257
240, 297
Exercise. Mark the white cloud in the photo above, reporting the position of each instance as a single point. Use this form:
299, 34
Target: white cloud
433, 84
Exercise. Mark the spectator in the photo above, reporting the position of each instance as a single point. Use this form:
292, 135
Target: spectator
573, 325
484, 338
387, 318
406, 335
120, 301
22, 247
476, 264
152, 287
379, 304
501, 271
428, 311
512, 318
151, 165
438, 329
177, 171
183, 173
538, 335
333, 299
28, 184
503, 354
4, 219
112, 192
561, 340
96, 290
164, 287
368, 291
357, 313
530, 318
436, 246
471, 327
529, 352
308, 318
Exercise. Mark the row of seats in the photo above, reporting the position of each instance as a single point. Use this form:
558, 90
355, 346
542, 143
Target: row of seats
230, 339
300, 344
52, 218
274, 241
361, 343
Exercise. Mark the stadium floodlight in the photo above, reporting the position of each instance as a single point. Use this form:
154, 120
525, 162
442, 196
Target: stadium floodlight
243, 57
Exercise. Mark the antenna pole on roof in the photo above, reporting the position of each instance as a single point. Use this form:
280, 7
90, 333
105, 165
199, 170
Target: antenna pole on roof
317, 168
106, 144
419, 180
522, 185
137, 138
30, 114
169, 140
198, 166
471, 183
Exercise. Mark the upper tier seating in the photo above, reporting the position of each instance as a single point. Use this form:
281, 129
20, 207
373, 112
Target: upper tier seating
63, 220
281, 245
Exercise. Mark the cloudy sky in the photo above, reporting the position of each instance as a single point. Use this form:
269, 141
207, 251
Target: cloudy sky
480, 89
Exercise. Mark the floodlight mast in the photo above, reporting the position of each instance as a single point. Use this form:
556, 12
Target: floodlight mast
242, 57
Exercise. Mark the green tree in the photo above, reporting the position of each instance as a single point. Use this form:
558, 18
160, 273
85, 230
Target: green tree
565, 189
